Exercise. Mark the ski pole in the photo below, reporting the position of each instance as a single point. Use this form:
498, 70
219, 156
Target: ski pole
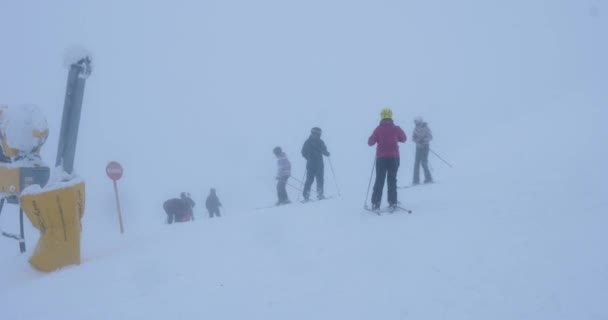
302, 184
297, 180
440, 158
296, 188
370, 183
334, 174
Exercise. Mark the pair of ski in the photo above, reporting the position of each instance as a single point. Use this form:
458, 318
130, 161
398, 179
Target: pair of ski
387, 210
416, 185
315, 200
288, 203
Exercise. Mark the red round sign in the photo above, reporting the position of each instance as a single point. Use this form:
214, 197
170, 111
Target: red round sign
114, 170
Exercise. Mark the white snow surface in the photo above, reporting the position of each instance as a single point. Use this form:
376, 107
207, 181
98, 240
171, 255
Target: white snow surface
74, 54
515, 93
59, 179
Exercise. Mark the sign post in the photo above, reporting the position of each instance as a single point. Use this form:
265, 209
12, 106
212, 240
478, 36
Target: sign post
114, 172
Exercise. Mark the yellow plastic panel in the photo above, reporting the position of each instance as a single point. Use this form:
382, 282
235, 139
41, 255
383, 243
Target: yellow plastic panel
57, 214
10, 179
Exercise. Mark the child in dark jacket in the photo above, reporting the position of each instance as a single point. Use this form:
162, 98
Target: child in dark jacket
213, 204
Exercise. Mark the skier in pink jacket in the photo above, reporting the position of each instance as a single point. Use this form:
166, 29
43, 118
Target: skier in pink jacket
386, 136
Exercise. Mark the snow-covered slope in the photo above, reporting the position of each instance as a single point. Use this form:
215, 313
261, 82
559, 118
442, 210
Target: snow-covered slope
193, 96
471, 249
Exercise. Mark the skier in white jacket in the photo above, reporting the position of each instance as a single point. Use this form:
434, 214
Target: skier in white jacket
422, 137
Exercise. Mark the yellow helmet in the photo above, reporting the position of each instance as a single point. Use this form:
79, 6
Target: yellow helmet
386, 113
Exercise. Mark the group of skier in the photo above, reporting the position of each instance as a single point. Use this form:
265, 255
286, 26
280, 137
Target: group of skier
180, 209
386, 137
313, 150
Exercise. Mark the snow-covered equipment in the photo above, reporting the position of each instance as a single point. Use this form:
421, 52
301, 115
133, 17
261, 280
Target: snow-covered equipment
23, 132
54, 205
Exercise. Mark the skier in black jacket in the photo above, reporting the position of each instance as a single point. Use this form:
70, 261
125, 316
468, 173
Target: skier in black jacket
313, 151
213, 204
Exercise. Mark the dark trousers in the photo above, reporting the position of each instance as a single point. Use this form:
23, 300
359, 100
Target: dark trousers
422, 159
312, 173
282, 188
386, 168
170, 217
214, 212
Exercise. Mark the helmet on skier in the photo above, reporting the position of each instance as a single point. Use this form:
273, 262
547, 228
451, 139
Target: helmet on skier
386, 113
277, 151
316, 131
184, 195
418, 120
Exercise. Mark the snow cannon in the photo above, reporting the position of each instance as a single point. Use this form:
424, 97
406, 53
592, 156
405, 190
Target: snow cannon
23, 132
56, 207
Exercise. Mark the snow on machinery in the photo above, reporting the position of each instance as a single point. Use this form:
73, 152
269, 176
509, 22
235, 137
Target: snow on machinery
23, 131
53, 203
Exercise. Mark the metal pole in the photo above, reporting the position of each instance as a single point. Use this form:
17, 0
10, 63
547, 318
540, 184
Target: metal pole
122, 230
334, 174
22, 235
449, 165
304, 177
370, 183
294, 187
72, 107
297, 180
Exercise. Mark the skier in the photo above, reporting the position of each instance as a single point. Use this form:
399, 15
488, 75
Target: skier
313, 151
283, 174
213, 204
179, 209
422, 137
386, 135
